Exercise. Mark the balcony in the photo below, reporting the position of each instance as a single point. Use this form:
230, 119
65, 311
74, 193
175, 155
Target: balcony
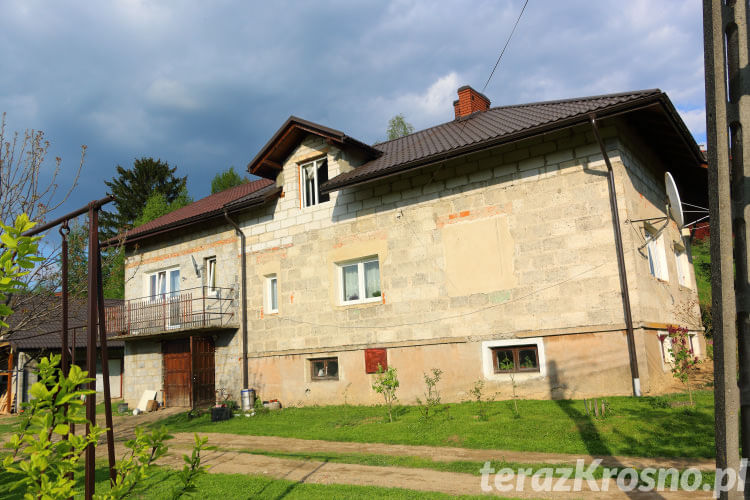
191, 309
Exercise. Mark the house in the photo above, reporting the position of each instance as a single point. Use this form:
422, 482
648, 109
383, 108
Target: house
483, 247
28, 341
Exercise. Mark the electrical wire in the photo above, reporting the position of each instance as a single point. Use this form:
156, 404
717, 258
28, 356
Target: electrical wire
506, 45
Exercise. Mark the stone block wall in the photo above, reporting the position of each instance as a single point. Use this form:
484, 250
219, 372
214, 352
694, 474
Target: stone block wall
514, 242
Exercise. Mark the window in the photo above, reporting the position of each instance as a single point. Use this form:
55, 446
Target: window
164, 283
683, 265
211, 274
515, 359
360, 281
657, 258
325, 369
312, 175
272, 294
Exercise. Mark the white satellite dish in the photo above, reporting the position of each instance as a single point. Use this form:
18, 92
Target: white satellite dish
675, 205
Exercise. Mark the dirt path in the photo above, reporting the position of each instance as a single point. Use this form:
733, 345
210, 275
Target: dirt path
437, 453
320, 472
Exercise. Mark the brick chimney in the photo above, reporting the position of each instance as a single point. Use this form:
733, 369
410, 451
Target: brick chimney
469, 101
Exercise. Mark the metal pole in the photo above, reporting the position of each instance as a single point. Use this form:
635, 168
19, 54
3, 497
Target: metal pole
72, 215
64, 231
91, 348
105, 366
620, 263
716, 21
65, 361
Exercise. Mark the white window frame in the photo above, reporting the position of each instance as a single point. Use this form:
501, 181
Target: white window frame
360, 263
168, 288
303, 176
269, 294
682, 264
211, 286
657, 255
488, 367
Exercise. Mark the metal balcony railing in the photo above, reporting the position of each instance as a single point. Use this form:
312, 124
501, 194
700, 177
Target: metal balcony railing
194, 308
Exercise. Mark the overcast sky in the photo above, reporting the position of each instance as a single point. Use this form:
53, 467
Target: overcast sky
203, 85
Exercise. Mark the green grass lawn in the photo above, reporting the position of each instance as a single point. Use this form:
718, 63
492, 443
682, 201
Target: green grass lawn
702, 264
645, 426
162, 483
8, 424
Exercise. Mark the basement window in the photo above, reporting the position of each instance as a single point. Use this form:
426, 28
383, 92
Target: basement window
324, 369
359, 281
312, 175
515, 359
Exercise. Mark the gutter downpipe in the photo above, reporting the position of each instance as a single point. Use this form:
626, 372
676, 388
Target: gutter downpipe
620, 262
243, 297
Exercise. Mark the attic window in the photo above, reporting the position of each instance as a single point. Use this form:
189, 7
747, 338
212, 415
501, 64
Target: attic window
312, 175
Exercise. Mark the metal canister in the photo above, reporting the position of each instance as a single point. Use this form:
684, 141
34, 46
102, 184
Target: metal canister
248, 399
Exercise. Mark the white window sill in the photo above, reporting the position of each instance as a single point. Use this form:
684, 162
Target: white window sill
374, 300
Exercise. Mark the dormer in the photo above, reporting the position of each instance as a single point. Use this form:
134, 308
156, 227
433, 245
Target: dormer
269, 162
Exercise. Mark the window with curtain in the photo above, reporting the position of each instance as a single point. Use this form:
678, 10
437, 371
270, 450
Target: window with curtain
163, 283
360, 281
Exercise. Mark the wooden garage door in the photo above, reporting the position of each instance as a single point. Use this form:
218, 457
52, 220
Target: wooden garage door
203, 371
177, 386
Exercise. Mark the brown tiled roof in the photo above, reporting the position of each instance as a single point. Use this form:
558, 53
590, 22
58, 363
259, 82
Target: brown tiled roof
485, 129
46, 332
245, 194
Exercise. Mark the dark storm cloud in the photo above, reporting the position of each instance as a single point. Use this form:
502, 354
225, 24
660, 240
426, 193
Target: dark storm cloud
204, 84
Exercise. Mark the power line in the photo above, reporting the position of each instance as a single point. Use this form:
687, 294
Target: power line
506, 45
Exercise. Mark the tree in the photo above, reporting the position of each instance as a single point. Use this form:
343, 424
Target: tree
45, 452
28, 185
157, 205
17, 257
386, 382
132, 188
399, 127
685, 362
226, 179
